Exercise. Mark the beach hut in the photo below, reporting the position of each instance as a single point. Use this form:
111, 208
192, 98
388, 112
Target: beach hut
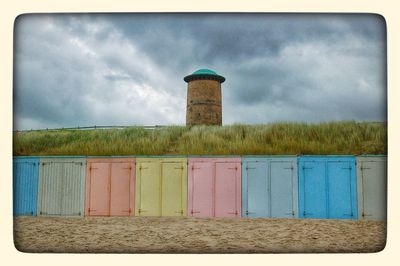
161, 186
61, 186
372, 187
269, 186
110, 187
327, 187
214, 187
25, 185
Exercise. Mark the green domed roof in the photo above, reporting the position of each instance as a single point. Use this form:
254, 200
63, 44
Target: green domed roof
204, 71
204, 74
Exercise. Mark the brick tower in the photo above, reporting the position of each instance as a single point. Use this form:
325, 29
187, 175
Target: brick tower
204, 98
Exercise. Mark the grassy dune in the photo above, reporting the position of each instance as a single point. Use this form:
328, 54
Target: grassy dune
274, 139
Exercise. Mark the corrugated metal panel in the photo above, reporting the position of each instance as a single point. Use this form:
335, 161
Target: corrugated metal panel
372, 187
214, 187
327, 187
50, 188
161, 188
25, 185
61, 186
269, 186
110, 187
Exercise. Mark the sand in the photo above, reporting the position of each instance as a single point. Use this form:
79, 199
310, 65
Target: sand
195, 235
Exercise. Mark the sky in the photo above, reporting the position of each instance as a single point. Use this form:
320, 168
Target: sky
128, 69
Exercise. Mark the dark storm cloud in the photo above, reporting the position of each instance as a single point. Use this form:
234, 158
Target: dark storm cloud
227, 36
128, 68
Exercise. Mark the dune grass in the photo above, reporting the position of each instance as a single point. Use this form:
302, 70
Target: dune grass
272, 139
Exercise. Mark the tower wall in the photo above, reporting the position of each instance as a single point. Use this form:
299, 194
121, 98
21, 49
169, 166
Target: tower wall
204, 103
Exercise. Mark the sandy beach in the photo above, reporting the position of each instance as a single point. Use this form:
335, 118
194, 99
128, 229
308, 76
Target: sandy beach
195, 235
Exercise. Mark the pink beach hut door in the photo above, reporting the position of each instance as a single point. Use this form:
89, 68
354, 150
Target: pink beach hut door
202, 190
227, 190
99, 199
121, 189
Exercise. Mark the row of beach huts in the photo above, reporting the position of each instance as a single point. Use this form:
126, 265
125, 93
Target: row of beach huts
323, 187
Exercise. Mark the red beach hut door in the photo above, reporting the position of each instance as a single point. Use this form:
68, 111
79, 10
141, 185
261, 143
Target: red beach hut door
99, 199
121, 189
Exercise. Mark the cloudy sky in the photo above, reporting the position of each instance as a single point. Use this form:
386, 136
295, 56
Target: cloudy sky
128, 69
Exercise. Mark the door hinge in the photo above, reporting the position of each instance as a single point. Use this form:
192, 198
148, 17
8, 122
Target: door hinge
364, 214
141, 210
